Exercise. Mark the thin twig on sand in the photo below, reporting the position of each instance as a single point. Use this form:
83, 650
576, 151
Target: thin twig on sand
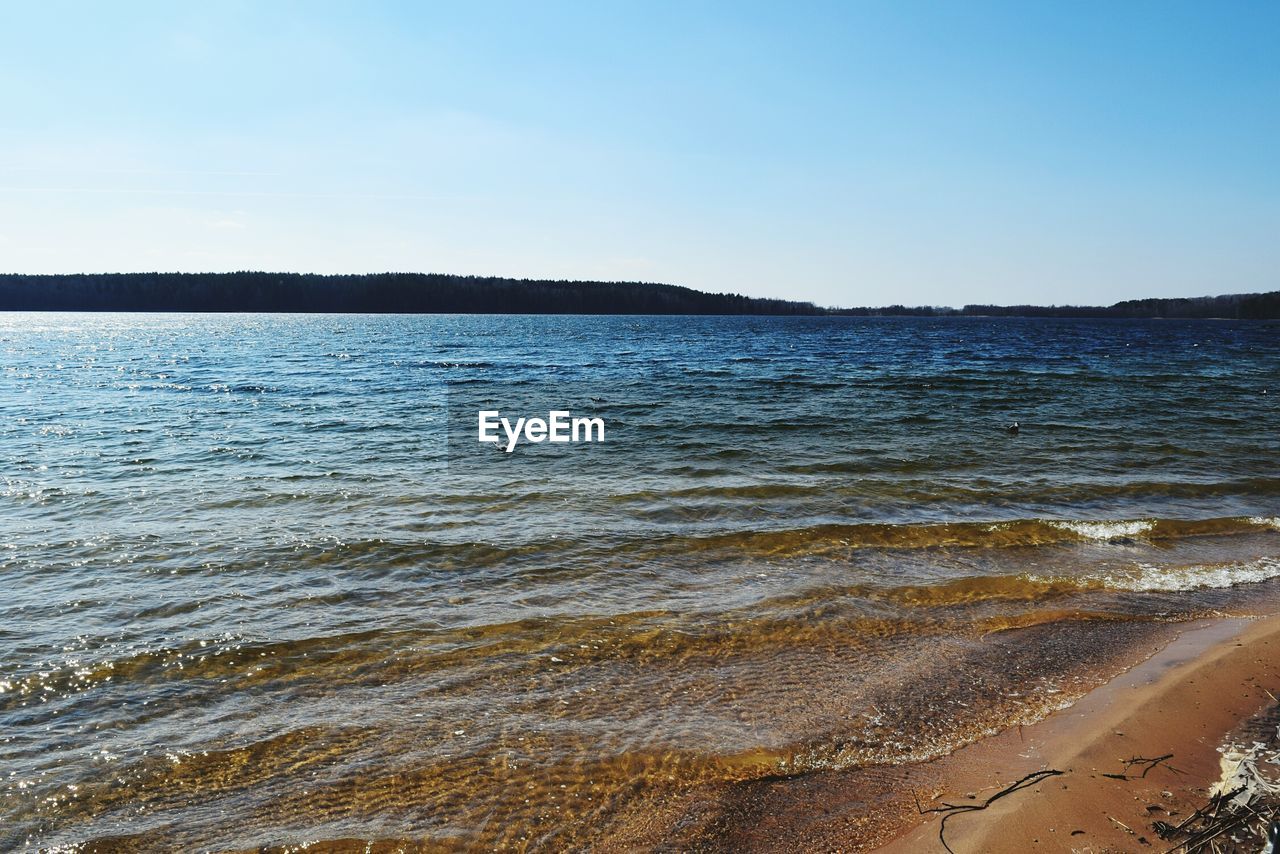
949, 810
1147, 765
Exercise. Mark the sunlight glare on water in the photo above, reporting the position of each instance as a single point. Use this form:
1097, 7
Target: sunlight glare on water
263, 590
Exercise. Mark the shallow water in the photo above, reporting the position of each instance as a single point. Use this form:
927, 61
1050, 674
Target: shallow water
264, 588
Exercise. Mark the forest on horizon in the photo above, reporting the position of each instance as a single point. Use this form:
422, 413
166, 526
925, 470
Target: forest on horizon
435, 293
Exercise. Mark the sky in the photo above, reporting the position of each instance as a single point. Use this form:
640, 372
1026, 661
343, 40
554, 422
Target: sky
852, 153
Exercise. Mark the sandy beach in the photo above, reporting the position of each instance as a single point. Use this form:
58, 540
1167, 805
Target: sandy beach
1142, 748
1093, 780
1219, 678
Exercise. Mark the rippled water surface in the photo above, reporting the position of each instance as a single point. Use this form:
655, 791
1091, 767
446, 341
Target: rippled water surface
263, 588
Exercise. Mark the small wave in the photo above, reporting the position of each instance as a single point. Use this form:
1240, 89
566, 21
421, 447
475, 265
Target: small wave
1012, 533
448, 365
1104, 529
1148, 578
1142, 578
981, 588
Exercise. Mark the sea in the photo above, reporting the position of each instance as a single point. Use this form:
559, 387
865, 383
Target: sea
263, 588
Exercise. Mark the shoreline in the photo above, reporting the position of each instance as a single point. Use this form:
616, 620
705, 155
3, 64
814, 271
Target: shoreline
1185, 700
1185, 695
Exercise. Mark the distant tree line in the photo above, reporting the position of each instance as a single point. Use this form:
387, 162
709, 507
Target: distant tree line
409, 293
1231, 306
1235, 306
418, 293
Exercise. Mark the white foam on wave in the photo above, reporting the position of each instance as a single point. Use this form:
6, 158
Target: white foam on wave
1265, 521
1152, 578
1106, 530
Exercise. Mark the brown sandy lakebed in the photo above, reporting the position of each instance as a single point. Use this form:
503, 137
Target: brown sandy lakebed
1187, 700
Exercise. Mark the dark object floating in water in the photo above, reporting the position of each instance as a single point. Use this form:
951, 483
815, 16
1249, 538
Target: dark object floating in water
1012, 429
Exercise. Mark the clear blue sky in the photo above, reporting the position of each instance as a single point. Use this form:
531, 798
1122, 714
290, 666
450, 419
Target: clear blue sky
848, 153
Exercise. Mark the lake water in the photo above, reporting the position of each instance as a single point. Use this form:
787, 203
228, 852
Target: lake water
262, 587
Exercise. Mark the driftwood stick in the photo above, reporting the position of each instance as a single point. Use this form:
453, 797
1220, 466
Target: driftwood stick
1147, 764
1192, 846
1122, 825
1212, 826
949, 810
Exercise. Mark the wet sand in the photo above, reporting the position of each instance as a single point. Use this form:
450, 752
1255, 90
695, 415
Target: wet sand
1184, 701
1206, 682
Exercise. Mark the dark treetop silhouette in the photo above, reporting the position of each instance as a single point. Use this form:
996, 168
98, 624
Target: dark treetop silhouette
445, 294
